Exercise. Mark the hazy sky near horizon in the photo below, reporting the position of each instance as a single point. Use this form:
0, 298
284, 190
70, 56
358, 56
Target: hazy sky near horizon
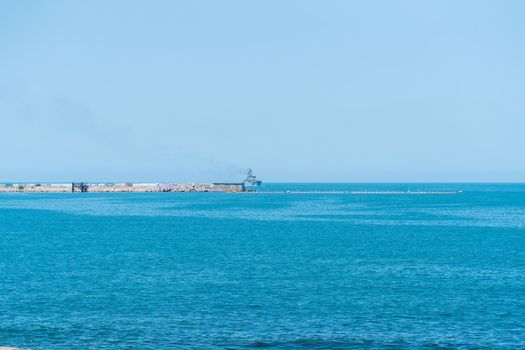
298, 90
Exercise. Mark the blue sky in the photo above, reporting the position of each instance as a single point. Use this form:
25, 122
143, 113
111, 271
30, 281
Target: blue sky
298, 90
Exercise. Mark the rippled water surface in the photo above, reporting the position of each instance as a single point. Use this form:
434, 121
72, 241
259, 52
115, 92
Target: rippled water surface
265, 270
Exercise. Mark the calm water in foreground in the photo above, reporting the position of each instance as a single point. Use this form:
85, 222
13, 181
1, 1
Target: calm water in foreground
282, 271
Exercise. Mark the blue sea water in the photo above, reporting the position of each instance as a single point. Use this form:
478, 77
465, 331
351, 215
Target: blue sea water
265, 270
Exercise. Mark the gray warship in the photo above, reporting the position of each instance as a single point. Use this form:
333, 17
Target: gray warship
251, 180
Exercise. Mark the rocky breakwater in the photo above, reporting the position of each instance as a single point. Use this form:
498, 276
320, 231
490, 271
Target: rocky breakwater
123, 187
150, 187
47, 188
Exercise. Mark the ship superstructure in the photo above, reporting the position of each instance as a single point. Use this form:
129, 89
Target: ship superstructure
251, 180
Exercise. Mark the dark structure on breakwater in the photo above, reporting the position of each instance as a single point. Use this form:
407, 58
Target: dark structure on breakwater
79, 187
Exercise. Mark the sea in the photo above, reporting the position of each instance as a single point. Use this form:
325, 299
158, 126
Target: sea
269, 270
